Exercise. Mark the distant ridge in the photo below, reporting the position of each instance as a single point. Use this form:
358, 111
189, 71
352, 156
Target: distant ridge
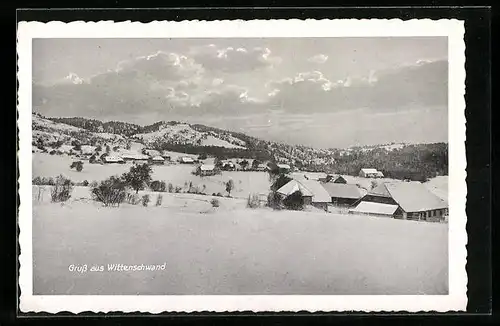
396, 160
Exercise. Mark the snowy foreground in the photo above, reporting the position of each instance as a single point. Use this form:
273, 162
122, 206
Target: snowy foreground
231, 249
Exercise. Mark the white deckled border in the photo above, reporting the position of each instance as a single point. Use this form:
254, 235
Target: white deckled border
453, 29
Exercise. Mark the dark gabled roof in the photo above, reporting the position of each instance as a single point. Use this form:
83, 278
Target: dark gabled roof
340, 190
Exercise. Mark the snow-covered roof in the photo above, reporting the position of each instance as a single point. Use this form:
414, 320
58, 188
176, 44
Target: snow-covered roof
207, 167
158, 158
341, 190
414, 197
283, 166
369, 170
320, 195
307, 188
292, 187
374, 208
88, 149
113, 159
135, 156
187, 159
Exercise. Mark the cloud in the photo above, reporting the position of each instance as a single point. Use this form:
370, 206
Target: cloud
233, 60
166, 83
162, 66
73, 78
422, 85
318, 58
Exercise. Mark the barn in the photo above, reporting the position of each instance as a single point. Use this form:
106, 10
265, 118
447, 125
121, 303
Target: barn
413, 200
158, 160
206, 170
312, 192
135, 158
342, 194
186, 160
113, 159
370, 173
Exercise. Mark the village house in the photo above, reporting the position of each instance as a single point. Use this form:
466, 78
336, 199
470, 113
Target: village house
158, 160
228, 166
370, 173
206, 170
283, 168
113, 159
312, 192
333, 179
151, 152
186, 160
135, 158
406, 200
262, 167
166, 157
87, 151
342, 194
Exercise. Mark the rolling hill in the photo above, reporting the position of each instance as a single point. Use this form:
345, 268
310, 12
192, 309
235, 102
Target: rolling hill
396, 160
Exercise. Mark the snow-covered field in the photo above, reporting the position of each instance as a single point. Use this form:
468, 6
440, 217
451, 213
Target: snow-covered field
185, 134
231, 250
45, 165
212, 141
245, 183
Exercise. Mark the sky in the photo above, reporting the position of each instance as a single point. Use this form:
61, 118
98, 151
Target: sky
321, 92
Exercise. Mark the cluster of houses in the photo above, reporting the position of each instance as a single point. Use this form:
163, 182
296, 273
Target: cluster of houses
400, 200
158, 159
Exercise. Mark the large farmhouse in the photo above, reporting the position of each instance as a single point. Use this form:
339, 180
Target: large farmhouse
342, 194
405, 200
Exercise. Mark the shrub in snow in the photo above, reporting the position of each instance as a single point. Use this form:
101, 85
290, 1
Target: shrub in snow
295, 201
159, 199
78, 165
110, 192
215, 202
170, 187
229, 187
273, 200
85, 183
253, 201
61, 191
138, 176
145, 200
158, 186
132, 198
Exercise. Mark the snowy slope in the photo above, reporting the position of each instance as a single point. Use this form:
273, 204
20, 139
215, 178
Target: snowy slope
184, 134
